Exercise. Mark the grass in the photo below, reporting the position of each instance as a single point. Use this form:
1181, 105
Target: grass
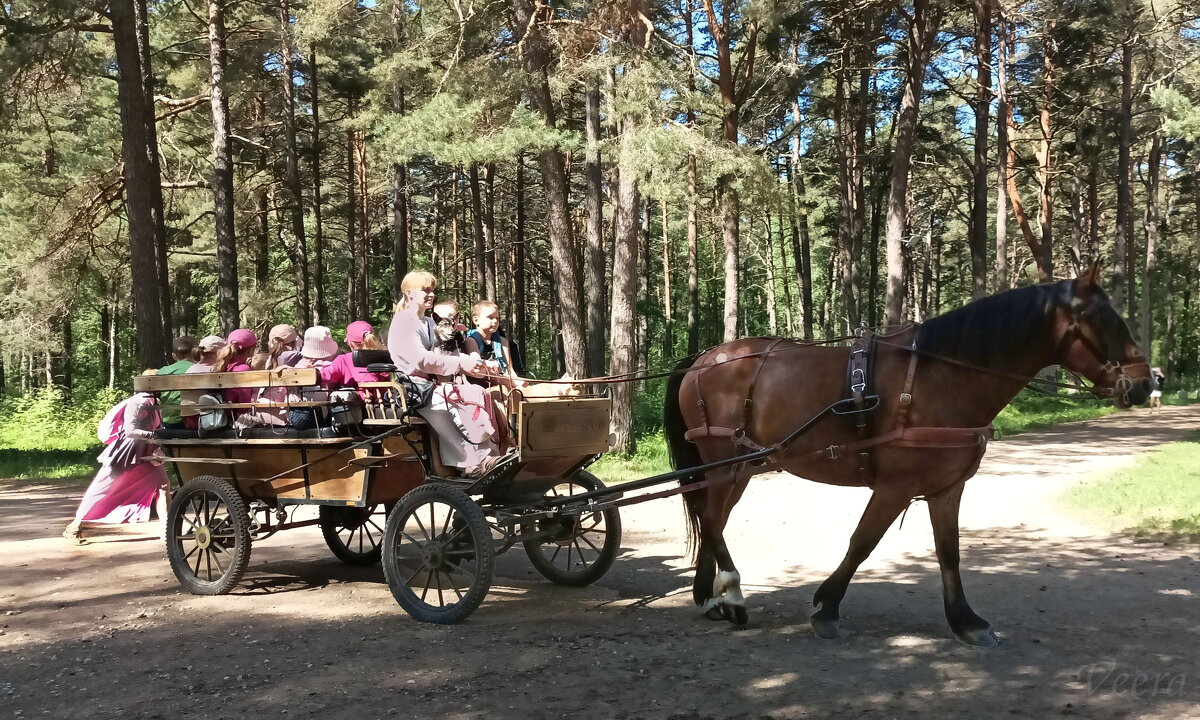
651, 458
1031, 410
1158, 497
48, 464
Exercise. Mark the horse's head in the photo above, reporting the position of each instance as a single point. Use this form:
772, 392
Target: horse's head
1094, 341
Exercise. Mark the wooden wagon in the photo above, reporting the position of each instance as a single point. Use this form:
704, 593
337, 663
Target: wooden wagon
442, 531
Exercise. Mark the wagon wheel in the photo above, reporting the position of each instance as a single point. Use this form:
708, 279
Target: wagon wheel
583, 546
438, 555
208, 543
354, 534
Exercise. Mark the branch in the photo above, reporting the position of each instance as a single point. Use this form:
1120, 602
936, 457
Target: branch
186, 184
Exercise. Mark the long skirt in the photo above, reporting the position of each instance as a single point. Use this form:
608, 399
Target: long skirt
122, 497
461, 417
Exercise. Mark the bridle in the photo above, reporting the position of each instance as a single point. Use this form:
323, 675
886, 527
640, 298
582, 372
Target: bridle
1122, 384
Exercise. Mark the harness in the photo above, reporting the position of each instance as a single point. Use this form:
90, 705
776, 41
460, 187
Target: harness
859, 379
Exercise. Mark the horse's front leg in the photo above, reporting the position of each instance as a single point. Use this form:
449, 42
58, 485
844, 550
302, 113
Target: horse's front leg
943, 514
881, 511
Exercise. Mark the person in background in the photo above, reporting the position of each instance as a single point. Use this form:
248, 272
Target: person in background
128, 482
360, 335
1160, 380
283, 349
208, 348
183, 349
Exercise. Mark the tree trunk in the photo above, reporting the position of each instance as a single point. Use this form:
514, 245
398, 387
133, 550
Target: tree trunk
922, 31
1122, 297
143, 190
596, 284
262, 208
668, 320
769, 267
850, 121
520, 296
297, 246
1046, 161
693, 262
801, 240
222, 183
321, 314
1153, 172
400, 224
979, 169
693, 269
477, 226
623, 315
558, 213
1003, 113
730, 208
492, 291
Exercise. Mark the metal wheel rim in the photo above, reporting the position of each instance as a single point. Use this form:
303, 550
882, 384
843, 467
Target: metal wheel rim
360, 534
207, 535
578, 546
438, 558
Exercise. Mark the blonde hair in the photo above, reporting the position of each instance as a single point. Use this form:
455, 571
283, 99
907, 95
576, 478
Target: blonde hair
270, 359
415, 280
452, 303
227, 355
483, 305
371, 342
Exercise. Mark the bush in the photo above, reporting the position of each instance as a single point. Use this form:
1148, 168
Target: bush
42, 421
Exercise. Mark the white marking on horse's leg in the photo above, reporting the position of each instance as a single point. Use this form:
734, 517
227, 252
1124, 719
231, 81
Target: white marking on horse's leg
728, 586
709, 604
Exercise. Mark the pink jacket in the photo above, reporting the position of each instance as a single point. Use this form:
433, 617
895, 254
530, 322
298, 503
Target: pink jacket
342, 373
407, 338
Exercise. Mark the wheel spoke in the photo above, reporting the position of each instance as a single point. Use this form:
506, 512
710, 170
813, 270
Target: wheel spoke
582, 559
587, 540
417, 517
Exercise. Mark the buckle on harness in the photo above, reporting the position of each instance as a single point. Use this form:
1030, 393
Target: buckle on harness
905, 399
832, 452
858, 387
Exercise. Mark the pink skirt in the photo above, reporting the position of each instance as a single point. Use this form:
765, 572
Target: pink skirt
122, 498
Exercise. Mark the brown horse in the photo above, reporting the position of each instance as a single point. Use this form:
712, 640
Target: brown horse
939, 385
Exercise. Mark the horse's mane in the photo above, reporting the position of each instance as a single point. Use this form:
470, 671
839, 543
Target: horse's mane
993, 327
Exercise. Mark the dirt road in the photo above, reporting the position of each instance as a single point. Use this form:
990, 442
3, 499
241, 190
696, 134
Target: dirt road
1094, 625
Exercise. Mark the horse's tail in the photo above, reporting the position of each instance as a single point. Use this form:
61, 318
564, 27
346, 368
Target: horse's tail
683, 453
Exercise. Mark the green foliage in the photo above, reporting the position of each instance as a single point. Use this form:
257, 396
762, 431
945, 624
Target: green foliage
42, 421
1158, 496
51, 464
1031, 410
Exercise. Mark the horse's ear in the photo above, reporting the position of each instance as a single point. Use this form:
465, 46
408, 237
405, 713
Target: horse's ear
1088, 282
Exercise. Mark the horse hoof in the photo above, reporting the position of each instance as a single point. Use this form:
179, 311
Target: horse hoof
717, 612
983, 637
826, 628
740, 616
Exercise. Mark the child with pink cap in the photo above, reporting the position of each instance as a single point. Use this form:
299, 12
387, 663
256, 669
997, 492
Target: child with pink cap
283, 349
360, 335
235, 357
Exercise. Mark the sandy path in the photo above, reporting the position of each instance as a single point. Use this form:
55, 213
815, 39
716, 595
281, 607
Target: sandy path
1094, 625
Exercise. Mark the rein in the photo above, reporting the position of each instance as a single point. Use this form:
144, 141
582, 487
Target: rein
1123, 384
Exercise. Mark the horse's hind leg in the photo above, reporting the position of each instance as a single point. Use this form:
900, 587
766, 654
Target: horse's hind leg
719, 590
881, 511
967, 626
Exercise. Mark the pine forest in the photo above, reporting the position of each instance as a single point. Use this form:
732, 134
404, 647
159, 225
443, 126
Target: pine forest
629, 181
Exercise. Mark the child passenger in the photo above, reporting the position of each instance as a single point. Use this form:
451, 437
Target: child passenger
182, 349
483, 342
208, 348
235, 357
283, 349
318, 352
360, 335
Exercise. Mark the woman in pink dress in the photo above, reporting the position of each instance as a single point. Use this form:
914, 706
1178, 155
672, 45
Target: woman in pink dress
462, 421
128, 483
